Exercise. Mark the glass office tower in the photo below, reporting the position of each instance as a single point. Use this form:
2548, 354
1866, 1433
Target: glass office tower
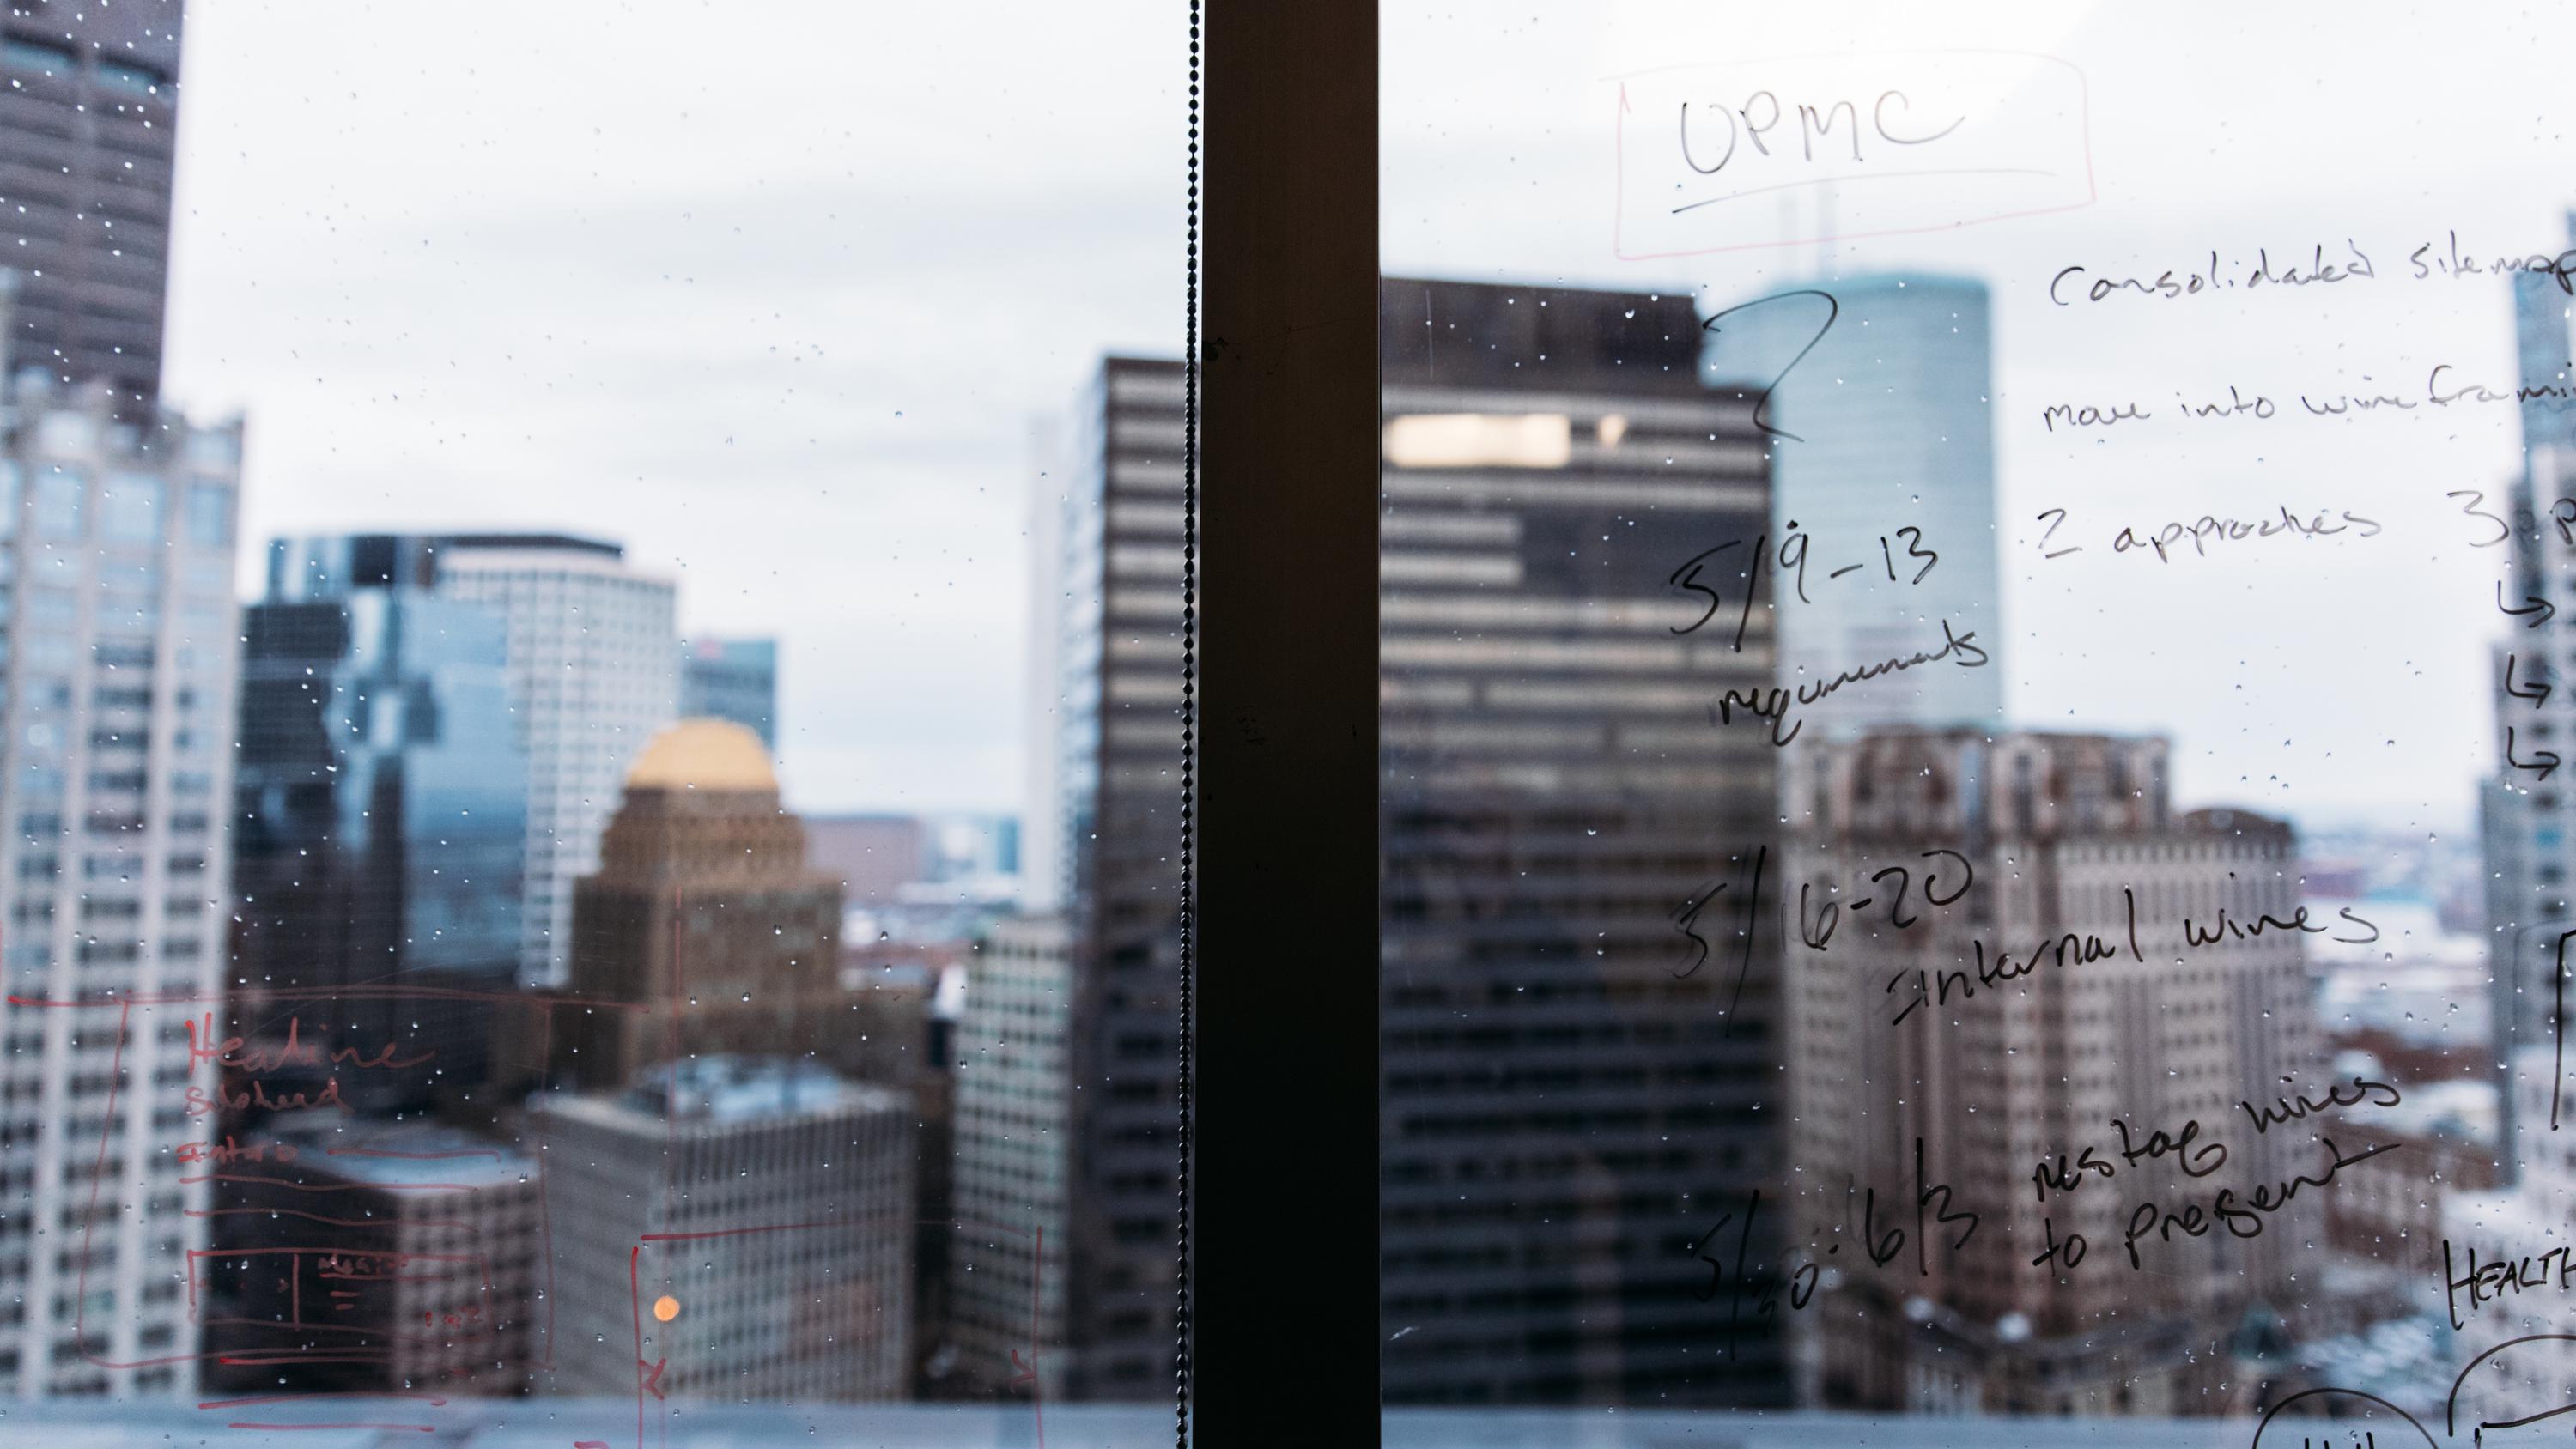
381, 795
1883, 455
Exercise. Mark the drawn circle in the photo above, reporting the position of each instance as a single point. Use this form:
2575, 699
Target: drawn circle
2351, 1393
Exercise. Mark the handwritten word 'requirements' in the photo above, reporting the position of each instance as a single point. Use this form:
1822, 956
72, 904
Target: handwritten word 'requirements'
1776, 705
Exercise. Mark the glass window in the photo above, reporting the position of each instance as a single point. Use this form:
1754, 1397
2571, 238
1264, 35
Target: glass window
58, 502
129, 509
1964, 836
140, 79
42, 59
52, 611
648, 986
210, 514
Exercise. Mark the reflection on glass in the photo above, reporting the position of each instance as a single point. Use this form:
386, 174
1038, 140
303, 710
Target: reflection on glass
1575, 1013
2142, 643
566, 935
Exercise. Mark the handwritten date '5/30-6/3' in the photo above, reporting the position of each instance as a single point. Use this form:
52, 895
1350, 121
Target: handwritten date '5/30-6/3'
1756, 1282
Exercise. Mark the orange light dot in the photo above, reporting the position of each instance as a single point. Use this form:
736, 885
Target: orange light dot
666, 1308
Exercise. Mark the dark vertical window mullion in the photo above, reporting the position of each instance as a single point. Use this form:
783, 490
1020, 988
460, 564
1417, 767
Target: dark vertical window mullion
1285, 1296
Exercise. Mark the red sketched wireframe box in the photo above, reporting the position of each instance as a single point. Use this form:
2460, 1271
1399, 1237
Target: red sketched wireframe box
327, 1277
1803, 150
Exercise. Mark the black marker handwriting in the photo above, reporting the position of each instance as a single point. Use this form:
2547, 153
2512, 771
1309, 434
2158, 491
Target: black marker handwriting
2490, 1282
2069, 948
2216, 279
1762, 405
1791, 556
2291, 1109
1776, 704
1817, 931
1813, 126
2243, 1217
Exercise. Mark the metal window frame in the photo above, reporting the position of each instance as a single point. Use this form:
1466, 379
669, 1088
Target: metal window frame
1285, 1295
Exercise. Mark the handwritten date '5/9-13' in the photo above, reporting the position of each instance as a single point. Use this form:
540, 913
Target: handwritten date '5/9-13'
1791, 555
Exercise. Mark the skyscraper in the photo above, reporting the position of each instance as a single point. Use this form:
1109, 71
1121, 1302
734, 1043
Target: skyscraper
1116, 580
1883, 456
422, 1274
2038, 1002
116, 547
2527, 815
89, 124
1014, 1157
1578, 994
594, 668
735, 679
381, 801
703, 912
2542, 354
736, 1227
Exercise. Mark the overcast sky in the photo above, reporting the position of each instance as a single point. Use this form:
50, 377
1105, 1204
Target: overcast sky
774, 297
771, 294
2326, 679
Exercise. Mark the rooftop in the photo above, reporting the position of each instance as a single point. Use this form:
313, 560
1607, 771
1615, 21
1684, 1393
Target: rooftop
703, 754
727, 1091
543, 542
406, 1154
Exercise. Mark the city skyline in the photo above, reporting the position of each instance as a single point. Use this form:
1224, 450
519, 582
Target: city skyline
452, 870
946, 561
754, 372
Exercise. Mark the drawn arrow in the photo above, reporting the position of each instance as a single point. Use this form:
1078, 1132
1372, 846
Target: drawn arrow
2537, 694
2543, 761
2540, 607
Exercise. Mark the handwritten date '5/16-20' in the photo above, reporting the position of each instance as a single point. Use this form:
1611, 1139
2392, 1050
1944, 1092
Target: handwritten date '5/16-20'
1748, 898
1817, 930
1901, 555
1942, 886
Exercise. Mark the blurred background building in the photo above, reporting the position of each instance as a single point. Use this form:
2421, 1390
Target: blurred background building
1572, 1052
593, 650
89, 131
116, 558
1115, 580
1960, 1049
1014, 1159
381, 810
702, 912
1882, 422
2528, 813
116, 561
423, 1273
732, 679
751, 1217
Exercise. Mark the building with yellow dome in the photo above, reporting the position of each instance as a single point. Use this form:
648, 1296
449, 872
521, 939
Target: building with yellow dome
703, 915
